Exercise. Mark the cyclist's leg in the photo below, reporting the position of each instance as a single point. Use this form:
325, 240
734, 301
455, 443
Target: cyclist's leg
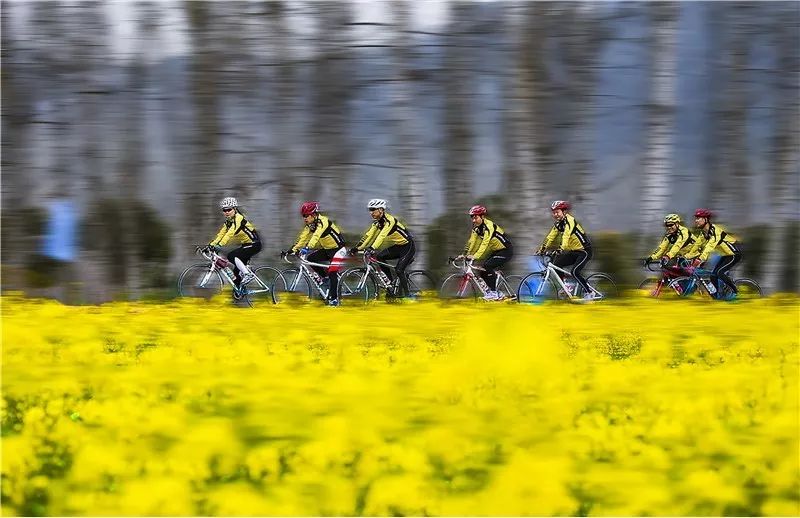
406, 259
333, 271
564, 259
722, 268
320, 255
493, 263
583, 257
393, 252
232, 255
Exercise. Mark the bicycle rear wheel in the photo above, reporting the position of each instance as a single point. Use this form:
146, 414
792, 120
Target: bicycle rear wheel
199, 281
351, 289
532, 289
292, 287
747, 289
421, 284
259, 289
603, 284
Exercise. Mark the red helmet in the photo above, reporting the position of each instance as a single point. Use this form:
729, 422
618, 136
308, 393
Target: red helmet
703, 213
477, 210
560, 204
309, 208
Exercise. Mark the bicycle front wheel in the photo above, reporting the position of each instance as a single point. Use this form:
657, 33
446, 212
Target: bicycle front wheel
291, 286
458, 287
200, 281
259, 289
356, 286
421, 284
533, 289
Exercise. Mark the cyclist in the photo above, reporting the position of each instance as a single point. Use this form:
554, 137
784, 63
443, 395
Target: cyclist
714, 238
238, 229
677, 241
574, 247
487, 240
388, 229
323, 236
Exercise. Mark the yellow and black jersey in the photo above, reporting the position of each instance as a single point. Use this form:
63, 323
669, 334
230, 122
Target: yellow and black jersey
674, 244
573, 236
387, 229
715, 239
486, 238
236, 229
320, 233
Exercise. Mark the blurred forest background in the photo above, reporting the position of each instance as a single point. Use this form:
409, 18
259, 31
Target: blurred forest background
124, 123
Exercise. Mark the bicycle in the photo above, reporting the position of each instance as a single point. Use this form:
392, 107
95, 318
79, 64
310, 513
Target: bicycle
700, 280
673, 277
551, 283
301, 283
468, 284
368, 280
205, 280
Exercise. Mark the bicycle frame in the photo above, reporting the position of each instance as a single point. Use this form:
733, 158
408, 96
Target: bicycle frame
468, 268
215, 259
668, 274
552, 274
304, 265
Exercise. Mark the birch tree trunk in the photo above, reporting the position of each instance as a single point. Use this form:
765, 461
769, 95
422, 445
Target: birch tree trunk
657, 170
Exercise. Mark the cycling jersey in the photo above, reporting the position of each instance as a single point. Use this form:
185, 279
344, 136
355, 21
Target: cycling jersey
715, 239
238, 229
486, 238
573, 237
389, 229
320, 233
673, 244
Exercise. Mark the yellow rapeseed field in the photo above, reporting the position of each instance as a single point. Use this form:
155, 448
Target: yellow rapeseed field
637, 407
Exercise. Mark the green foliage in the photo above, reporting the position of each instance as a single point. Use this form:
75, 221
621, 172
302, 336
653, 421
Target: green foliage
790, 273
615, 254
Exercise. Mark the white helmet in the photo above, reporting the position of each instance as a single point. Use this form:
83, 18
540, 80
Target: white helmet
228, 203
377, 203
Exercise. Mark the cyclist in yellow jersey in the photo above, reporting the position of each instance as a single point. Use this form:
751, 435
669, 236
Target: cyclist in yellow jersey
715, 238
573, 247
385, 229
237, 229
323, 239
677, 241
488, 241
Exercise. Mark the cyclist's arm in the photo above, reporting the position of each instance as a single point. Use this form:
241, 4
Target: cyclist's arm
683, 237
387, 227
662, 248
710, 245
569, 228
487, 237
322, 226
302, 239
694, 251
368, 237
472, 244
220, 234
549, 238
227, 235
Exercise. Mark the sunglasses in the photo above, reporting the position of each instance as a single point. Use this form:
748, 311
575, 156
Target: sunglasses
227, 210
373, 210
670, 225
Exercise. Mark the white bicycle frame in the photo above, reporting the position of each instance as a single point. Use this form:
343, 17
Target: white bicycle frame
468, 267
213, 257
552, 272
304, 265
372, 265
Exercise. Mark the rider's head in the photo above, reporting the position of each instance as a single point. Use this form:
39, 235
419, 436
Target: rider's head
377, 207
702, 217
559, 209
309, 211
477, 214
671, 222
228, 206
